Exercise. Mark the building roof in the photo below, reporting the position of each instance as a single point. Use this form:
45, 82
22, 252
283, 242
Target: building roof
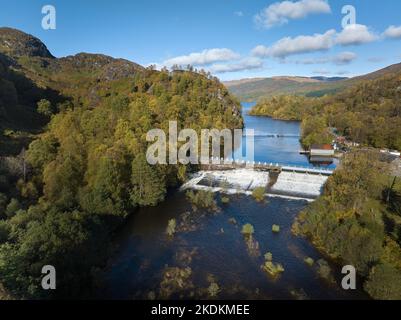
322, 146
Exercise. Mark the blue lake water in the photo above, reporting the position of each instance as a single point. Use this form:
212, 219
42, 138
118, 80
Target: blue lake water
283, 148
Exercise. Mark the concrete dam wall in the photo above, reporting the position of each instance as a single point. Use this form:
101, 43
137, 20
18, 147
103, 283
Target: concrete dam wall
295, 185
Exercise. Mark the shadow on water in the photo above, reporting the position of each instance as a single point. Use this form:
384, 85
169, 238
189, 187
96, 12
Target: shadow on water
219, 252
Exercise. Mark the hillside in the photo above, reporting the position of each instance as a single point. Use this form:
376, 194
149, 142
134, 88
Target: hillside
84, 120
367, 112
390, 70
254, 89
29, 73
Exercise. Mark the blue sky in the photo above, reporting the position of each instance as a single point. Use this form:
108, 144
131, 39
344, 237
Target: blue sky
232, 38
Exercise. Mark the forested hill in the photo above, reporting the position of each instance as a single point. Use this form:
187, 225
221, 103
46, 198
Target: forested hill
29, 73
254, 89
368, 112
257, 88
86, 170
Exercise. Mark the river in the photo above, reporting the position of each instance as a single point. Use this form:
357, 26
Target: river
212, 248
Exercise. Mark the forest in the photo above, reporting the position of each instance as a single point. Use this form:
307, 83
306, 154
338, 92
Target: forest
80, 169
358, 222
368, 113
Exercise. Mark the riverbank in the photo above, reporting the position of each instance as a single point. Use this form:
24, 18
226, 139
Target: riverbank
357, 221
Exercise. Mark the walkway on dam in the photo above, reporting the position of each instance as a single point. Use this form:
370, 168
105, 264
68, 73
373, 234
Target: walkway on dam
216, 164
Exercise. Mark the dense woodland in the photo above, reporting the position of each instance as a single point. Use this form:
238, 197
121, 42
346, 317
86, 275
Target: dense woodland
368, 113
358, 219
358, 222
82, 174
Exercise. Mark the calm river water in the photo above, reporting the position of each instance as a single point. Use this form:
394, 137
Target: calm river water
211, 244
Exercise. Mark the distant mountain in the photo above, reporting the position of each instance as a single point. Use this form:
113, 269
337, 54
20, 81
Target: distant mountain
253, 89
390, 70
328, 79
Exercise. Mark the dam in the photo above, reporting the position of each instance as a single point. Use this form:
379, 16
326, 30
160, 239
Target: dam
282, 182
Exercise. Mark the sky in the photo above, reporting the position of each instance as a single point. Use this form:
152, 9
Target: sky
233, 39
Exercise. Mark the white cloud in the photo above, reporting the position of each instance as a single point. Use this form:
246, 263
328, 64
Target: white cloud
340, 59
344, 58
393, 32
281, 12
245, 64
301, 44
351, 35
322, 72
355, 34
312, 61
376, 59
205, 57
239, 13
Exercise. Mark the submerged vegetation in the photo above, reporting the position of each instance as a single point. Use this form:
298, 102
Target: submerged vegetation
247, 230
259, 194
202, 200
271, 268
170, 230
175, 281
309, 261
275, 228
252, 244
324, 271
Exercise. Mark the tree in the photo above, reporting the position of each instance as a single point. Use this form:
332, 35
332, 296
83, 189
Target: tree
148, 187
45, 107
13, 207
107, 188
71, 241
384, 282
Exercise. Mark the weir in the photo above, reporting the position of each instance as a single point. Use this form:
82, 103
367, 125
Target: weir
279, 181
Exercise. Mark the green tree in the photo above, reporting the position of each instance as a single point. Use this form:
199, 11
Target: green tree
13, 207
45, 107
148, 187
107, 190
384, 283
